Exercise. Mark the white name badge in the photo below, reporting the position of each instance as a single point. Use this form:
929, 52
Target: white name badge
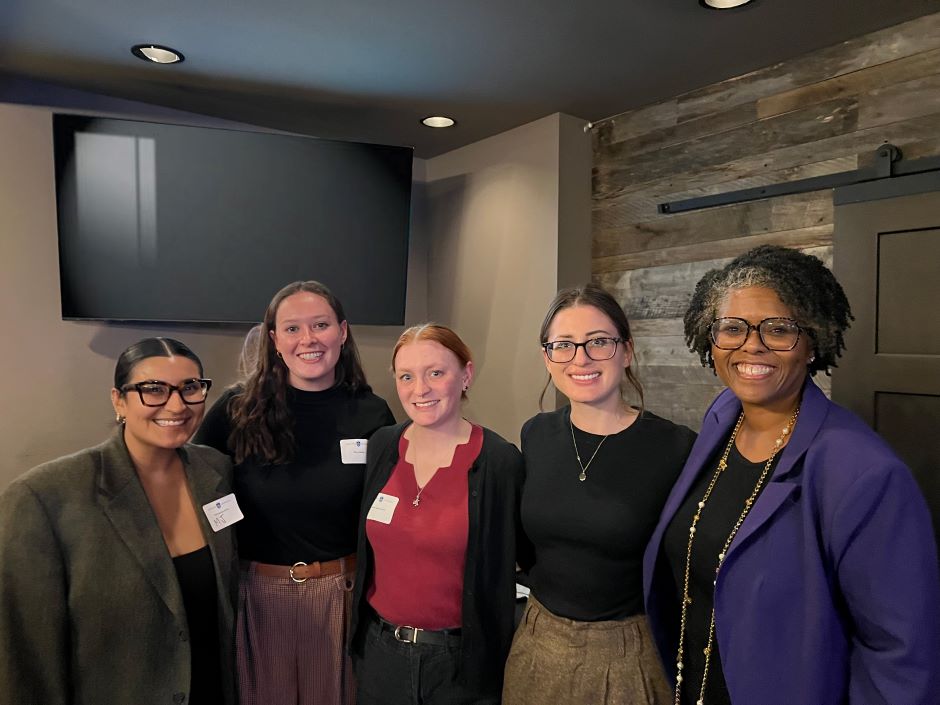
383, 508
353, 450
223, 512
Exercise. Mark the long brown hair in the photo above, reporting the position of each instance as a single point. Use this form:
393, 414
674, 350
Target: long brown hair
262, 422
603, 301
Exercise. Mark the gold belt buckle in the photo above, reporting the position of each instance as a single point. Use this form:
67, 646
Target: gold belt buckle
414, 635
297, 580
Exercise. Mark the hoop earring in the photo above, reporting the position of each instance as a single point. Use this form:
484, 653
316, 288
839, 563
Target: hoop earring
278, 353
120, 419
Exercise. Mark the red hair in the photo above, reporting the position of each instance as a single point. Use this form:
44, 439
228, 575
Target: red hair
436, 333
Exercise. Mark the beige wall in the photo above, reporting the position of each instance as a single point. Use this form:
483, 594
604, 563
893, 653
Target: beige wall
58, 373
499, 212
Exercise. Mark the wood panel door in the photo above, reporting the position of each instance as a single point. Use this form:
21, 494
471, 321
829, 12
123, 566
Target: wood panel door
887, 257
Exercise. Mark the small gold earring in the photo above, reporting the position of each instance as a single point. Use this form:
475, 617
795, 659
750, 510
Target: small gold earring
278, 353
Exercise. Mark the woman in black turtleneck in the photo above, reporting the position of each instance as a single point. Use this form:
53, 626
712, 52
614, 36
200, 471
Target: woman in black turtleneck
297, 431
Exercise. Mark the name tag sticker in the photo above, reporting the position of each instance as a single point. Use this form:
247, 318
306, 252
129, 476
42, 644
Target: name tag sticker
383, 508
223, 512
353, 450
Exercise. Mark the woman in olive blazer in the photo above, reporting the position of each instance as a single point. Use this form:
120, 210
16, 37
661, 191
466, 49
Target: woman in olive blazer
91, 609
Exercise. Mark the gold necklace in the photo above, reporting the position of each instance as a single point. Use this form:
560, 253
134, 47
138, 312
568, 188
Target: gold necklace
583, 475
748, 503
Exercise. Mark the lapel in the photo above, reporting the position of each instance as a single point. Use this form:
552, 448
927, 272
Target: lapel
813, 410
716, 426
126, 506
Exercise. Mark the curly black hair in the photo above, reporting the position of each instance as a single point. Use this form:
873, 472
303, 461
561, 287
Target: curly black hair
802, 282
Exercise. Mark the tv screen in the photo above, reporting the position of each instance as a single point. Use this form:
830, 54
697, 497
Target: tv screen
190, 224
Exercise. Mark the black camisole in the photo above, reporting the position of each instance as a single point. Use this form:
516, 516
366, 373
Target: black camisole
196, 575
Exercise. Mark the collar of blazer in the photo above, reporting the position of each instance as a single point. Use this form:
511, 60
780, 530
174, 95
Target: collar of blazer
124, 502
783, 484
719, 420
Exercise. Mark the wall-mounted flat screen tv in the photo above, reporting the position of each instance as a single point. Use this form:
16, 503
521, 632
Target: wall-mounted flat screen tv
190, 224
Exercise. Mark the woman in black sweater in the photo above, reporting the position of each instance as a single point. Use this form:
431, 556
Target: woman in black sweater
298, 431
597, 474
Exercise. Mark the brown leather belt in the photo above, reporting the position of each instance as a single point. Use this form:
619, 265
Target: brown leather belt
300, 572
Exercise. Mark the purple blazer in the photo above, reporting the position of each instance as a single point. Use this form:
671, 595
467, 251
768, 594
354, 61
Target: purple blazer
830, 593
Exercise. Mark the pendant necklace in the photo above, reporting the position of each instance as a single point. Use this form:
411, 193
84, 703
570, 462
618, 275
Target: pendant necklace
584, 468
417, 500
748, 503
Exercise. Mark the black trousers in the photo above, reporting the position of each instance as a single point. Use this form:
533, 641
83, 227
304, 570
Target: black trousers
391, 672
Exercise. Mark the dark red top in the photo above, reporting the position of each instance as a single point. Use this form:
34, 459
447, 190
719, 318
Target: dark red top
419, 556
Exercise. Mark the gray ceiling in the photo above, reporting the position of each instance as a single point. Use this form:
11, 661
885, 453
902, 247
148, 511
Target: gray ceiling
370, 69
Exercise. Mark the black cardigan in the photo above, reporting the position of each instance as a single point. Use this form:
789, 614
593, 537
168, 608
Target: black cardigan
495, 484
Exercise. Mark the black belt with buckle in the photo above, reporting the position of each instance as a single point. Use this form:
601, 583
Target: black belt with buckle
416, 635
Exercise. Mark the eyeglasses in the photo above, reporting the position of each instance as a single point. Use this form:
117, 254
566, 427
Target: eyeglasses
596, 348
153, 392
778, 334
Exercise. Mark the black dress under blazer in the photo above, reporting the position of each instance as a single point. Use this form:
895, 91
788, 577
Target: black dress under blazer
90, 606
495, 485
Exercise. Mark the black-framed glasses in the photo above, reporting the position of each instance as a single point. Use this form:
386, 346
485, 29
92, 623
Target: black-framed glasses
597, 349
779, 334
153, 392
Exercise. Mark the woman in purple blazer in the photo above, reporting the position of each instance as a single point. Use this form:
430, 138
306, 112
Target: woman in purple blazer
794, 562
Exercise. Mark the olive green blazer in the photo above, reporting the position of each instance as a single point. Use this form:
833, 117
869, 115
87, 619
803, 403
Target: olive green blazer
90, 608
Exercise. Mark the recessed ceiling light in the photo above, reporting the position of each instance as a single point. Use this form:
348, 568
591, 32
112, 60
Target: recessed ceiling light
722, 4
157, 54
438, 121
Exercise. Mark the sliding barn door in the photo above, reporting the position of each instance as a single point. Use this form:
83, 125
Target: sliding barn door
887, 257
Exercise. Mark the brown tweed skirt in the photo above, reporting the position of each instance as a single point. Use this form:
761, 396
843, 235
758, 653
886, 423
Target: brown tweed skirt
566, 662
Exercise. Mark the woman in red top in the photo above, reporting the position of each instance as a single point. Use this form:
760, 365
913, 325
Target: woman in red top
434, 595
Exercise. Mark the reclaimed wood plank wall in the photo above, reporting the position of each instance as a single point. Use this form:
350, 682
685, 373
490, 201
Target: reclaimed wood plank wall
821, 113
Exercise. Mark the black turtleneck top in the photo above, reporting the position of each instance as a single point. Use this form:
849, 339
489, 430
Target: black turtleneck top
308, 509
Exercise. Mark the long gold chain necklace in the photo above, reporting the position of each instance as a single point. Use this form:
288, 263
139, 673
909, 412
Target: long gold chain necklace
748, 503
584, 468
